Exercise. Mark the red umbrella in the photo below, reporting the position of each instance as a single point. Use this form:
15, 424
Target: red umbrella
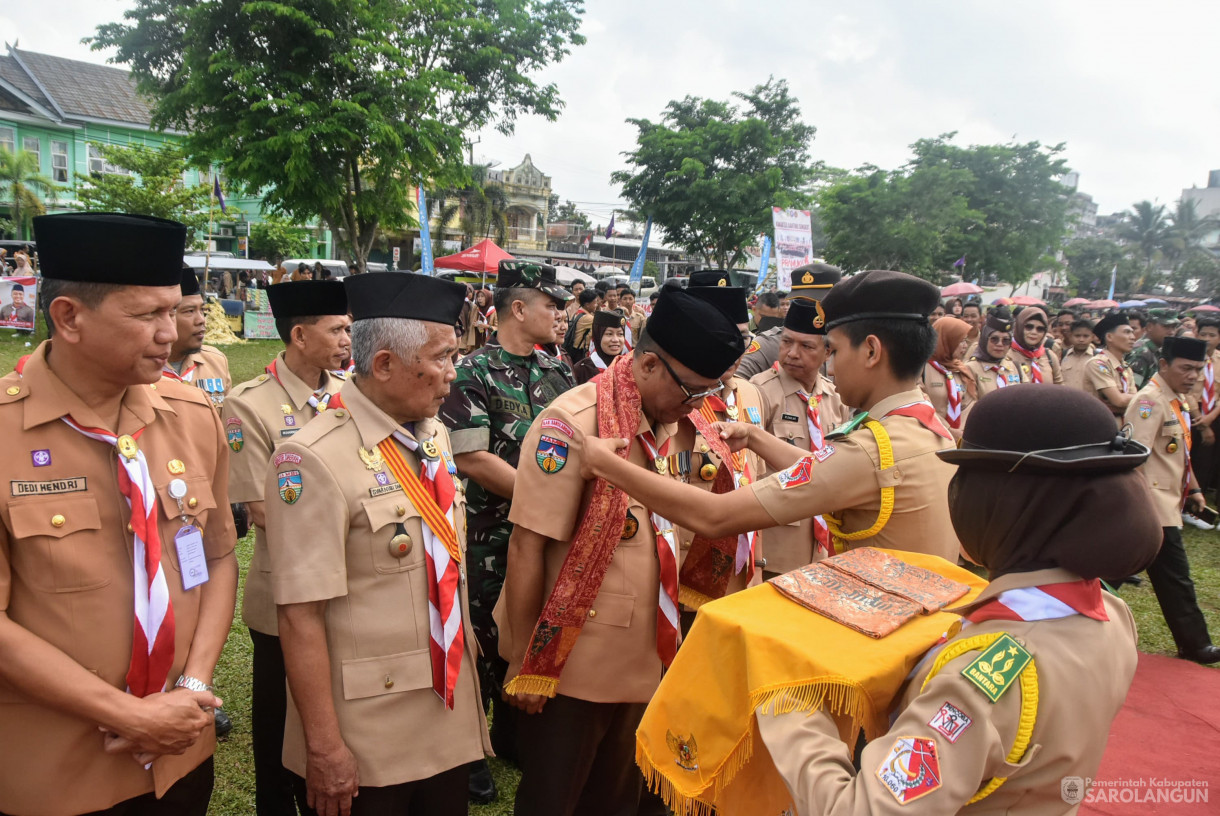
1002, 302
961, 288
1027, 300
1206, 307
1102, 304
483, 258
1076, 301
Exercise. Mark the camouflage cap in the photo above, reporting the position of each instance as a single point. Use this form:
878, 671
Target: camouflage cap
531, 275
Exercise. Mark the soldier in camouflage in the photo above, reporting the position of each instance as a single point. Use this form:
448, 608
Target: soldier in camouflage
498, 391
1143, 359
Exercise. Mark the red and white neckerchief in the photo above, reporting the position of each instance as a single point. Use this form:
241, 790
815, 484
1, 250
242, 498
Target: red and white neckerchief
817, 439
186, 376
746, 542
597, 360
1124, 381
668, 626
954, 411
152, 642
1001, 379
1035, 372
1209, 387
923, 412
319, 400
447, 638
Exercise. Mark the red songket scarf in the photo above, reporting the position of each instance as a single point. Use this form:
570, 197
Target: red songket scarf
1034, 357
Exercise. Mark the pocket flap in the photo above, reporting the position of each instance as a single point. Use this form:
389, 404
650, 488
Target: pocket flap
612, 609
391, 674
54, 516
199, 489
386, 510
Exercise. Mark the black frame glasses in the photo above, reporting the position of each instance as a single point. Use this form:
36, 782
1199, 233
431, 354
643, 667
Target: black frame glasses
690, 397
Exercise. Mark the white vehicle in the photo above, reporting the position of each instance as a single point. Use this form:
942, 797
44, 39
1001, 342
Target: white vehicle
648, 284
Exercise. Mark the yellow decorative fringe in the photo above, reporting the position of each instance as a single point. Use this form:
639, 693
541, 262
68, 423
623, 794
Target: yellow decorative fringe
692, 598
532, 684
660, 784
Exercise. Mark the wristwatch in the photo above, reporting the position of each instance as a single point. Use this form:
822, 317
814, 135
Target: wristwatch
192, 683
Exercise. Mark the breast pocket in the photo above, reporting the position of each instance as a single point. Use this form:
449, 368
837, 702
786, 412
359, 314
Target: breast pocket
57, 546
196, 504
396, 542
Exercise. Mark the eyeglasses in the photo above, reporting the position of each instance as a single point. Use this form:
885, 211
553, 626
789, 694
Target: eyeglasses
690, 396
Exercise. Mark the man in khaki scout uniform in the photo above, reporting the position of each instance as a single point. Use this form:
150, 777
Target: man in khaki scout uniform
811, 282
1000, 718
190, 361
91, 718
877, 481
801, 407
1158, 417
1107, 375
259, 416
585, 690
366, 532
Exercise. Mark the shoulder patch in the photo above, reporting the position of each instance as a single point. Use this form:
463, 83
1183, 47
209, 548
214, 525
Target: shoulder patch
911, 769
796, 475
994, 671
950, 721
558, 425
552, 454
753, 347
291, 485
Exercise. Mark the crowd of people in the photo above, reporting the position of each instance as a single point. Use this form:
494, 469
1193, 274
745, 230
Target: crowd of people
508, 505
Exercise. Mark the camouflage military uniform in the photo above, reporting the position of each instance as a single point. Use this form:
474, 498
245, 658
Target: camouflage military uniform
490, 407
1142, 360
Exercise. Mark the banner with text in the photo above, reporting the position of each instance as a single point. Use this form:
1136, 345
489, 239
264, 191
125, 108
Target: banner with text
793, 242
17, 299
425, 236
764, 266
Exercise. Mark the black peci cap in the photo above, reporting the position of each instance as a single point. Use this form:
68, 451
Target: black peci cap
695, 333
1108, 324
307, 298
1185, 348
1043, 428
709, 277
190, 282
815, 280
805, 316
97, 247
729, 299
404, 295
880, 294
531, 275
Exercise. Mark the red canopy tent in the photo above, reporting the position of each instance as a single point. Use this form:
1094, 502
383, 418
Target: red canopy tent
482, 259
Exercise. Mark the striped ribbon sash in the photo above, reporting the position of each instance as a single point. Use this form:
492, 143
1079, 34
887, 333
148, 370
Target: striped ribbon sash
432, 495
152, 642
1209, 388
668, 626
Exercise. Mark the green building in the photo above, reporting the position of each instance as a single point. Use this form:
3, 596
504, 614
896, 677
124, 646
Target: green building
62, 110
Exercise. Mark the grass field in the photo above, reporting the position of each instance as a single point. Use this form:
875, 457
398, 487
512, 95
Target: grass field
234, 794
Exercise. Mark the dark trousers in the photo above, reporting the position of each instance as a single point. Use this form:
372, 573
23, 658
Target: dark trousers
1170, 577
445, 794
578, 759
189, 796
1204, 459
268, 703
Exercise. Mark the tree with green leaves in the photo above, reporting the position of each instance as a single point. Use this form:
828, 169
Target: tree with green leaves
1183, 238
710, 171
153, 186
19, 178
339, 108
1145, 228
480, 207
276, 238
1090, 262
566, 212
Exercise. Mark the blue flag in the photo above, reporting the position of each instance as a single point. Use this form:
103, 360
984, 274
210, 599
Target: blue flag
425, 234
219, 195
637, 268
610, 229
764, 265
1113, 278
960, 263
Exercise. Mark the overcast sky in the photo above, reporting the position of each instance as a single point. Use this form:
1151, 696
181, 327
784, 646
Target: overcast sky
1129, 87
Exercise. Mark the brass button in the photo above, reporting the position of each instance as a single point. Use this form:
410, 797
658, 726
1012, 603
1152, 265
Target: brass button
389, 681
153, 386
340, 414
130, 529
13, 390
703, 448
592, 613
192, 502
57, 520
400, 510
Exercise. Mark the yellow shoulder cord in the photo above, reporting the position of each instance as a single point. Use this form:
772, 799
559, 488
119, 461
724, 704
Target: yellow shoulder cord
1029, 700
886, 451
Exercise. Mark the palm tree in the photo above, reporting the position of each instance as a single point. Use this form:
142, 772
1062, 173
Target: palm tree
19, 177
1145, 228
1185, 234
481, 208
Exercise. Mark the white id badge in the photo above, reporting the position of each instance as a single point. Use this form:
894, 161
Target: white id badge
191, 558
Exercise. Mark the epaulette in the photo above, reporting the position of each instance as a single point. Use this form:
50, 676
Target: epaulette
178, 390
849, 426
248, 384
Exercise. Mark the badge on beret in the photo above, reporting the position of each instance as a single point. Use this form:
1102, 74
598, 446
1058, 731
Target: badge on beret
820, 320
994, 671
722, 282
290, 485
911, 769
631, 526
233, 434
552, 454
807, 278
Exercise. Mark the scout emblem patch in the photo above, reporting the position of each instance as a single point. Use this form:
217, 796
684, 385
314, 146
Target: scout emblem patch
552, 454
290, 421
796, 475
1145, 409
911, 769
290, 485
950, 721
234, 437
997, 667
684, 749
41, 458
431, 451
631, 526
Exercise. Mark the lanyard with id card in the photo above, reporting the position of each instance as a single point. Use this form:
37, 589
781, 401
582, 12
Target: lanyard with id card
192, 561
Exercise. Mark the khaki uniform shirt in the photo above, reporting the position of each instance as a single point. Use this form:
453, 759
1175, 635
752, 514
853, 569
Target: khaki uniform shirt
208, 369
936, 387
333, 544
988, 375
615, 658
1084, 668
1048, 365
846, 482
1104, 371
761, 354
1073, 368
70, 583
259, 416
1196, 391
1155, 424
791, 546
